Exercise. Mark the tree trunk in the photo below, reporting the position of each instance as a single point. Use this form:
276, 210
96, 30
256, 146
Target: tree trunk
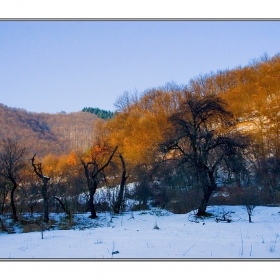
91, 205
14, 211
204, 202
46, 210
250, 219
118, 203
31, 209
44, 192
92, 180
207, 194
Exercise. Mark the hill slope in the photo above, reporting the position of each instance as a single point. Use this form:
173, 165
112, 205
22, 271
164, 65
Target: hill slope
47, 133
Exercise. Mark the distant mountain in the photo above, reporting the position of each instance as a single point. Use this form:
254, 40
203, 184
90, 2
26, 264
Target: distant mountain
47, 133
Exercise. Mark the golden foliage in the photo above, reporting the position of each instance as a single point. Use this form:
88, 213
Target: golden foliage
139, 129
73, 159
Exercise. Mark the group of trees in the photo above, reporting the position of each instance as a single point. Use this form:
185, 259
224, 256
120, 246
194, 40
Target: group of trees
103, 114
178, 144
56, 182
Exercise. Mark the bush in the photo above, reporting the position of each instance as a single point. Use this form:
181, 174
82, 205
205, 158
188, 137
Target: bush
139, 207
183, 201
143, 193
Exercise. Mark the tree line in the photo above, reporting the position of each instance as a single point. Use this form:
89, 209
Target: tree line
212, 141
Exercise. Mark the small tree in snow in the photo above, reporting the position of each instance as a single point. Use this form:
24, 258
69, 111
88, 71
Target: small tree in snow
250, 201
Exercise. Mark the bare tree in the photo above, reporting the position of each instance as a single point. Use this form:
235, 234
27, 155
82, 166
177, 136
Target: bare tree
66, 208
94, 174
202, 140
12, 164
250, 200
38, 170
125, 100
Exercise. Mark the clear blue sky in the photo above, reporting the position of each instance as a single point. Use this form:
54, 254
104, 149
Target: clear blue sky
50, 66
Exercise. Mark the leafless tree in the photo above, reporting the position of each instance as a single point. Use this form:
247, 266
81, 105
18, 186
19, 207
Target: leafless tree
38, 170
12, 164
125, 100
250, 200
94, 174
202, 141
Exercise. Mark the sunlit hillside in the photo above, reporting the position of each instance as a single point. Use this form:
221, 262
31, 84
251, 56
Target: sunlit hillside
47, 133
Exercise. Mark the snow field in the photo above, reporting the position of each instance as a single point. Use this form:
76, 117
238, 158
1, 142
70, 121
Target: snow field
134, 235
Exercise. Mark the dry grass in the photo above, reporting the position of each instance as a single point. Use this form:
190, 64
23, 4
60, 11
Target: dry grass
30, 227
34, 225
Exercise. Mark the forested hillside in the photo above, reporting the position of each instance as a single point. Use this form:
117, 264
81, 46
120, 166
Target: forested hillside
47, 133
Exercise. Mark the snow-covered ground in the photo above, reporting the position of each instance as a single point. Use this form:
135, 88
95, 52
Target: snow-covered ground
154, 234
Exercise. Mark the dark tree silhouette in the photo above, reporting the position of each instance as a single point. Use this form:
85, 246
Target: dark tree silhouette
38, 170
12, 163
201, 142
119, 201
93, 173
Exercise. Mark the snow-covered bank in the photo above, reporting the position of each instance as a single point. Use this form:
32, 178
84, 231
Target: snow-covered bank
156, 234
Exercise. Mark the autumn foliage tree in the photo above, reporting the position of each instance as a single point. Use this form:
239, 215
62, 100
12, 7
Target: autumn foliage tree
139, 127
